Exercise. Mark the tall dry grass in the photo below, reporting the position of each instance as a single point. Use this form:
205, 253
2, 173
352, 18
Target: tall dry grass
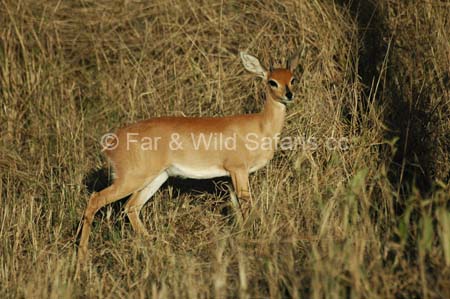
327, 223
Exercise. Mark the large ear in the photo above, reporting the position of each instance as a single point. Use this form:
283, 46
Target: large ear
252, 65
293, 61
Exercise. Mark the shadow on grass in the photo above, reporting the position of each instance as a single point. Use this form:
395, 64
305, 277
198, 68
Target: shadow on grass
412, 164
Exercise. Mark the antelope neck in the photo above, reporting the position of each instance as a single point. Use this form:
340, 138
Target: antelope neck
273, 116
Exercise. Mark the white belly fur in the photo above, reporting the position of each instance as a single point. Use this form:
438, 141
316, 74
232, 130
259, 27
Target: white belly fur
205, 173
193, 173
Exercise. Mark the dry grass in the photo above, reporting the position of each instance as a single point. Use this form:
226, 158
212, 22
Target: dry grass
327, 223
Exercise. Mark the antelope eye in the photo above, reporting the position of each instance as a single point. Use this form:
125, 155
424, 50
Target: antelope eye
273, 83
293, 81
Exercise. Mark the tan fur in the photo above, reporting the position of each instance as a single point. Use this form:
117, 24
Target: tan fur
141, 172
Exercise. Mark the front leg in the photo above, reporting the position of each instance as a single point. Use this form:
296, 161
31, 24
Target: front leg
239, 177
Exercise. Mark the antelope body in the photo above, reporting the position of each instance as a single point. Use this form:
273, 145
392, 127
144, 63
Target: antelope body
174, 151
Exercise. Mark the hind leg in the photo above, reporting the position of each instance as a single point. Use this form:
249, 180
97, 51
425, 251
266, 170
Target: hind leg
138, 200
116, 191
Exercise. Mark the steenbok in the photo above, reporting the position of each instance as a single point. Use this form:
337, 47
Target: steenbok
145, 154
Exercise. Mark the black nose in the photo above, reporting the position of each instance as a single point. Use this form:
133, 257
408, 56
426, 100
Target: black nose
289, 95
